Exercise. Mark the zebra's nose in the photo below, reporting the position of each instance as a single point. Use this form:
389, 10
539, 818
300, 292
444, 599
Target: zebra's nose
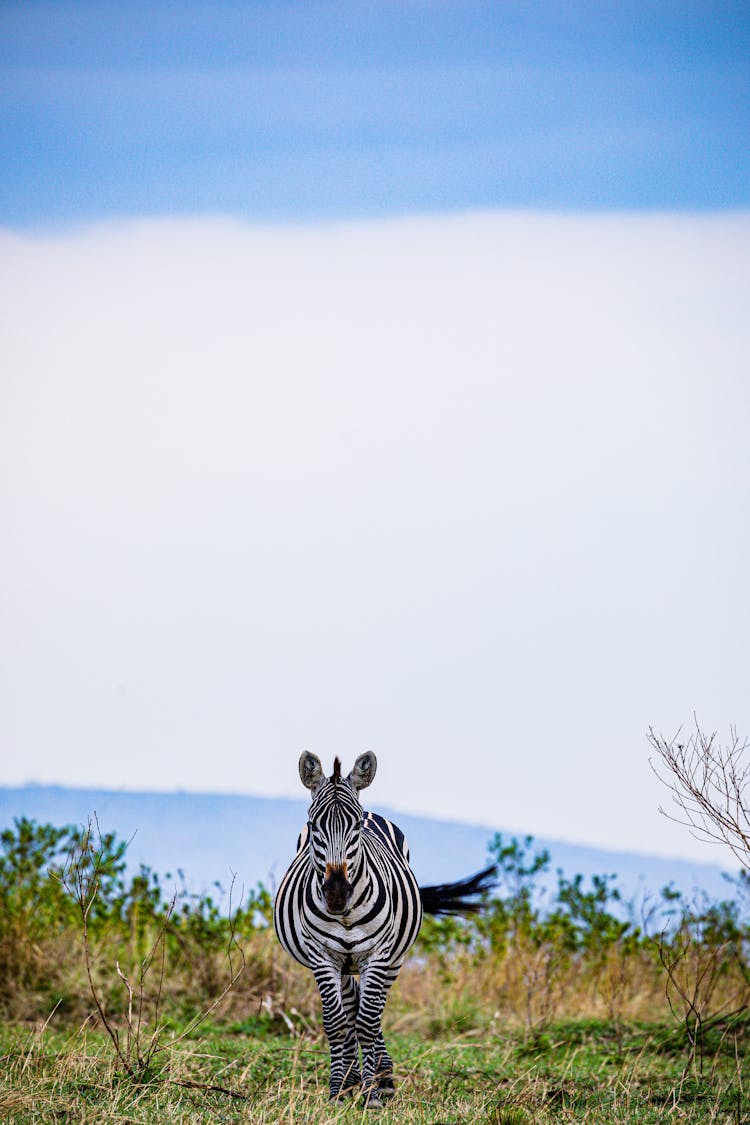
337, 889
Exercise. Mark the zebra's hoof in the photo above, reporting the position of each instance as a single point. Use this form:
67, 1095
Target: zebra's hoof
386, 1089
345, 1092
373, 1100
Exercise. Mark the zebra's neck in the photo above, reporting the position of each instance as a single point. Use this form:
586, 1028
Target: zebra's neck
365, 894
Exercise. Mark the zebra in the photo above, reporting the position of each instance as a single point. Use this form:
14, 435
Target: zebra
350, 907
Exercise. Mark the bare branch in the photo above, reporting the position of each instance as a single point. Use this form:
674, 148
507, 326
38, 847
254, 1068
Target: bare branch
80, 878
709, 784
129, 987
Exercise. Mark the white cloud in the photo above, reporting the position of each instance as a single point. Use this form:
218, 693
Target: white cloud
469, 491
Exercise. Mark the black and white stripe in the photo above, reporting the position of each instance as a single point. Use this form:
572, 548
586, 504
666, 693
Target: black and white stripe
350, 907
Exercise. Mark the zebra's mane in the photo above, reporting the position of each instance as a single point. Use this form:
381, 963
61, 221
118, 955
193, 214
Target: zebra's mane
336, 776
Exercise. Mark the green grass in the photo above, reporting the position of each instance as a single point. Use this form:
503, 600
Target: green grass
583, 1071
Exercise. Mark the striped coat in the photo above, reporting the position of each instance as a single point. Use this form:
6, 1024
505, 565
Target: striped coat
349, 908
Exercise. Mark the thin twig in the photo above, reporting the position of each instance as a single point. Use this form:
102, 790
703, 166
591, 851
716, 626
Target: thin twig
210, 1087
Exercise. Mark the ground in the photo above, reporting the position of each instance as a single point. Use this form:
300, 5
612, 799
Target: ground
584, 1071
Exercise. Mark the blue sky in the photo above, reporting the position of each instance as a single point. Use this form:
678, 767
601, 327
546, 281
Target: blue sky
318, 110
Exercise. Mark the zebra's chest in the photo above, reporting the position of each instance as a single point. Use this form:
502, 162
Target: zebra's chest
352, 943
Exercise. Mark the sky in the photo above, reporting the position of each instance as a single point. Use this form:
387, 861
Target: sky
375, 377
308, 110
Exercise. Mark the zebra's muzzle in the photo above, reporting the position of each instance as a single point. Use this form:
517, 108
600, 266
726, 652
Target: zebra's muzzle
337, 890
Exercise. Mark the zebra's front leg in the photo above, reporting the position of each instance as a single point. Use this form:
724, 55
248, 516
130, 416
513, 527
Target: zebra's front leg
377, 1067
350, 999
383, 1068
337, 1024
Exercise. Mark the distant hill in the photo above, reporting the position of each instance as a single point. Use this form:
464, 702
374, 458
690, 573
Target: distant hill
211, 836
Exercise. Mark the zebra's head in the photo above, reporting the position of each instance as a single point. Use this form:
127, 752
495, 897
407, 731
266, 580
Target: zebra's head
335, 825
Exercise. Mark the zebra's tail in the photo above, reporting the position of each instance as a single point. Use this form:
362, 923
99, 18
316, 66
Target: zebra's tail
460, 897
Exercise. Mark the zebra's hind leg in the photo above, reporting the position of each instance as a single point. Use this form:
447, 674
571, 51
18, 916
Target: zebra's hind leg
350, 1056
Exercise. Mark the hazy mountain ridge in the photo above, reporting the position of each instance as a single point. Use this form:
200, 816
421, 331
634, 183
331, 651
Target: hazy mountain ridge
211, 837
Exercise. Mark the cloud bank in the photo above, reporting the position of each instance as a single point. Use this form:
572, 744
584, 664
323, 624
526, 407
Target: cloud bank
471, 492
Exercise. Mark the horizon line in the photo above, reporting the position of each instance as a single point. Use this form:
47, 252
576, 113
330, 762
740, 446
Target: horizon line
510, 833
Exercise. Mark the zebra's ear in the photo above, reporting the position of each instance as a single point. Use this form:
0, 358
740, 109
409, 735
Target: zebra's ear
364, 770
310, 770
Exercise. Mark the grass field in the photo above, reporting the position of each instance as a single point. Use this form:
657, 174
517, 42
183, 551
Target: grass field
121, 1007
585, 1071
